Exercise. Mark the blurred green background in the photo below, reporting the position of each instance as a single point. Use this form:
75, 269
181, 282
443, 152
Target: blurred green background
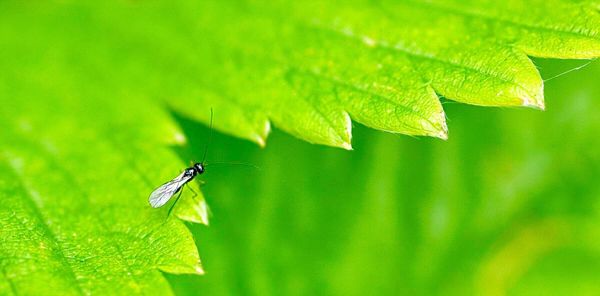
508, 205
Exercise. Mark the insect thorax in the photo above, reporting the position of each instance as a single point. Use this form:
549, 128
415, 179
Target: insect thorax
190, 172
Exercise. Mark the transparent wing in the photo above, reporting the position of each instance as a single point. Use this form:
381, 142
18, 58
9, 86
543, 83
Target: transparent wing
162, 194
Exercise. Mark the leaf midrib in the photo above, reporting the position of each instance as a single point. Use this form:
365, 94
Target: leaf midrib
78, 188
49, 233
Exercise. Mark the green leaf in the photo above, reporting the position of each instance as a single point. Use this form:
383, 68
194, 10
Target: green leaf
85, 131
75, 176
79, 155
309, 67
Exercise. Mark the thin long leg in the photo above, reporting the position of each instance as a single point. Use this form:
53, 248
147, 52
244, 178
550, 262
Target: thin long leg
173, 205
195, 194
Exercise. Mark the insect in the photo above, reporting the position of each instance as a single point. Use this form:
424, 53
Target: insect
161, 195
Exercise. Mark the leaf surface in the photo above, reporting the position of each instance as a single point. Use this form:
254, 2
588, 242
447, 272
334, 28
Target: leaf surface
86, 90
311, 66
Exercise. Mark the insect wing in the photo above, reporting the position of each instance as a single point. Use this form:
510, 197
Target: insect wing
162, 194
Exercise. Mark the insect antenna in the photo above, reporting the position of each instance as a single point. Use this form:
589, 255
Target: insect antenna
572, 70
174, 203
210, 135
210, 132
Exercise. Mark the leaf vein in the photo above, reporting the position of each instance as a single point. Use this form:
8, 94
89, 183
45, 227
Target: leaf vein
50, 234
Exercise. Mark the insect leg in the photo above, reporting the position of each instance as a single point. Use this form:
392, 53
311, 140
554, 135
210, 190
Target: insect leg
195, 194
173, 205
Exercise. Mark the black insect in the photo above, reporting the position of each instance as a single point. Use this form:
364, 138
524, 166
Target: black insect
161, 195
